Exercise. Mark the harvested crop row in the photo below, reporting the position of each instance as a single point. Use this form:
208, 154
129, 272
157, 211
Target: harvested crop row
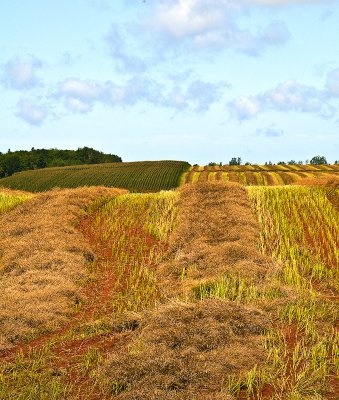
255, 177
43, 258
270, 168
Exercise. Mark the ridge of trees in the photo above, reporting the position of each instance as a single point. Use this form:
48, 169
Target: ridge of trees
316, 160
23, 160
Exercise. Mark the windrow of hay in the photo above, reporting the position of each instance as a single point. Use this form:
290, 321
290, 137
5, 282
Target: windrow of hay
187, 351
186, 348
42, 260
216, 234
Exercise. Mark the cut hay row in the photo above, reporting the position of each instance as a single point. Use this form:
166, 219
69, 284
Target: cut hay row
189, 346
256, 177
148, 176
125, 236
42, 260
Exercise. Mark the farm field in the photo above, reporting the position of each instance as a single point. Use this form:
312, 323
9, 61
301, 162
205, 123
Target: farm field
260, 175
148, 176
212, 291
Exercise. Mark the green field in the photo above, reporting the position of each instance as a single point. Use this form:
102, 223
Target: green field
146, 176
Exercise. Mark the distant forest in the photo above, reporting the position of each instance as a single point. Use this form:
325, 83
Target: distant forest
16, 161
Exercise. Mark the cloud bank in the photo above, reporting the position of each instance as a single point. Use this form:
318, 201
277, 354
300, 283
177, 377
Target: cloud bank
290, 96
81, 95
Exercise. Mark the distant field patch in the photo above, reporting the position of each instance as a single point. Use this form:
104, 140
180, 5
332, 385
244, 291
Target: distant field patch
260, 175
148, 176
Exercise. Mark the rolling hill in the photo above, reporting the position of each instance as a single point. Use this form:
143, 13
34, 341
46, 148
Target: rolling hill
146, 176
152, 176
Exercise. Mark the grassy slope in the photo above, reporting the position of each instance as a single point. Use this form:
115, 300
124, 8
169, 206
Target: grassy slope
148, 176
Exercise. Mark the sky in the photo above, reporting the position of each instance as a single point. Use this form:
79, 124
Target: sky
195, 80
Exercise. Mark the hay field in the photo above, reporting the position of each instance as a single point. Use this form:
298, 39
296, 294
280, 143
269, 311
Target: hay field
260, 175
214, 291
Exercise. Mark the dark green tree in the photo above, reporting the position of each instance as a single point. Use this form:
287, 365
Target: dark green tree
13, 164
235, 161
318, 160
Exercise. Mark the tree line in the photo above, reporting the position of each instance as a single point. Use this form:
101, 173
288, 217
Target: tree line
16, 161
316, 160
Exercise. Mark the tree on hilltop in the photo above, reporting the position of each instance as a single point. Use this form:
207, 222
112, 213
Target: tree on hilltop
235, 161
318, 160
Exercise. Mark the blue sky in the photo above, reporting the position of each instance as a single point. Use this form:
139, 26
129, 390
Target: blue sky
195, 80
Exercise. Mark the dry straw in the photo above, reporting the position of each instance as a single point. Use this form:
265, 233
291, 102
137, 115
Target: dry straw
43, 259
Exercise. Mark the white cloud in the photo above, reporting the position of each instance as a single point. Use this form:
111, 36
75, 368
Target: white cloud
206, 23
272, 131
78, 105
21, 73
31, 112
294, 96
275, 33
332, 83
190, 17
176, 99
80, 89
245, 107
290, 96
204, 94
81, 95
